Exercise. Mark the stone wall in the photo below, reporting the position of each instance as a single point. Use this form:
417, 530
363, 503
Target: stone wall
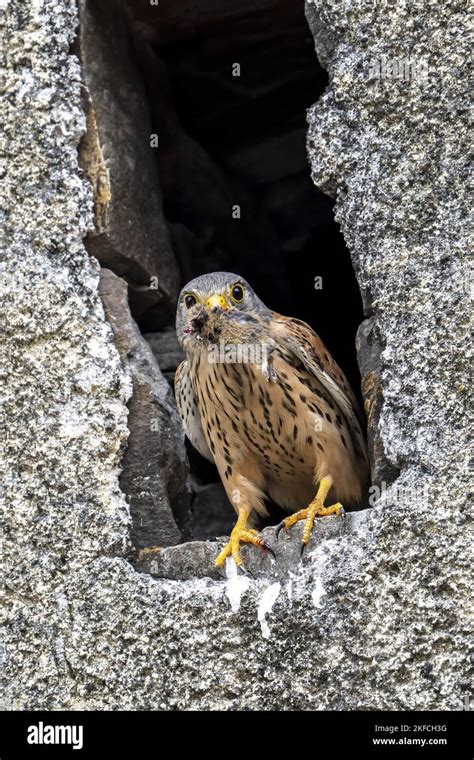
375, 616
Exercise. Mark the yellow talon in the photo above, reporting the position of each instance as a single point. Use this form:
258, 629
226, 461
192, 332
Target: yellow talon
240, 533
315, 509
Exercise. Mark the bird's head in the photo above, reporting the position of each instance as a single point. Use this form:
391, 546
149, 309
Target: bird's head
218, 306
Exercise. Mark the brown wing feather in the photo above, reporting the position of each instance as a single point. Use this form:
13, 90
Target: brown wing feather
307, 346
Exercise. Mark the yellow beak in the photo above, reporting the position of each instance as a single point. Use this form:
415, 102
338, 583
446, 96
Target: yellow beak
218, 301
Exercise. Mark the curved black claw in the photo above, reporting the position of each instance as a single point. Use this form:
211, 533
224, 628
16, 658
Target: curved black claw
246, 571
279, 528
302, 548
267, 548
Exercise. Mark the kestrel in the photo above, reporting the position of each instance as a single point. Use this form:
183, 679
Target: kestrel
260, 395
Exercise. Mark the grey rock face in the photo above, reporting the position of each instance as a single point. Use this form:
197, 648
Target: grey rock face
402, 208
376, 615
213, 514
155, 475
130, 232
369, 352
166, 350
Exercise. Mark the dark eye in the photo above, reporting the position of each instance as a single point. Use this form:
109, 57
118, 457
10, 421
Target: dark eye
237, 293
190, 300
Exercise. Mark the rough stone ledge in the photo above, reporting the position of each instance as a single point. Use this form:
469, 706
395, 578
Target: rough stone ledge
195, 559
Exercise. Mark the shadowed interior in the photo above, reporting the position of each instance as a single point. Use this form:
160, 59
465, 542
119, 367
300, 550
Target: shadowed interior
228, 85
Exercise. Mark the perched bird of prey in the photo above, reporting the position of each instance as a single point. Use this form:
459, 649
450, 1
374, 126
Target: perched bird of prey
260, 395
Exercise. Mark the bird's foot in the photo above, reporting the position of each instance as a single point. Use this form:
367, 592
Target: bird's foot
240, 534
309, 514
